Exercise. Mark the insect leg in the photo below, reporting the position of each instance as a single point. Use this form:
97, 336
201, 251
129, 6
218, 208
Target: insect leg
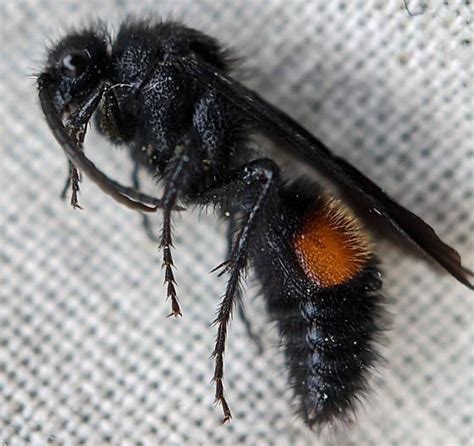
175, 179
146, 221
76, 126
73, 179
231, 230
124, 195
249, 187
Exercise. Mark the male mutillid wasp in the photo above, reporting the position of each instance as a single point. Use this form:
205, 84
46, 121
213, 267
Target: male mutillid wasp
166, 91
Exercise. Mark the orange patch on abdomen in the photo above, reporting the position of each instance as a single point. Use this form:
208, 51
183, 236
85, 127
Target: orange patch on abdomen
330, 245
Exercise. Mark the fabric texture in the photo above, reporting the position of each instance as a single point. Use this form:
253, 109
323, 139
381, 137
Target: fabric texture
87, 354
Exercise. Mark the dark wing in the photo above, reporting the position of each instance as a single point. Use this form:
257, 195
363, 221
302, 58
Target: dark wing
302, 145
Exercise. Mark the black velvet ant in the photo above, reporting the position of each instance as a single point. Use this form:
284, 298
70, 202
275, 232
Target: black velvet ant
166, 92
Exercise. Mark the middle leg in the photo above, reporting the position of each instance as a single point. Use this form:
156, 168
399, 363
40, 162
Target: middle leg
177, 177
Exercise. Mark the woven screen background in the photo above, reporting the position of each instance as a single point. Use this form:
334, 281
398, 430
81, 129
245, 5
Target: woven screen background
87, 355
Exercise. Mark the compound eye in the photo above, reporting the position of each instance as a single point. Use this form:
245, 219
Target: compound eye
75, 63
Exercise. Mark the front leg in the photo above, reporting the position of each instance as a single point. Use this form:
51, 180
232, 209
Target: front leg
248, 188
70, 137
76, 128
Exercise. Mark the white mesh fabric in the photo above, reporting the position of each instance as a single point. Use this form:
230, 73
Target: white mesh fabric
87, 354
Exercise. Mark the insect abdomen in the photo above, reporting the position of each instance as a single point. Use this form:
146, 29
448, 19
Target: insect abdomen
321, 287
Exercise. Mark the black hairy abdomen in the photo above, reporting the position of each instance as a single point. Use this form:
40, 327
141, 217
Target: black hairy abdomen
329, 335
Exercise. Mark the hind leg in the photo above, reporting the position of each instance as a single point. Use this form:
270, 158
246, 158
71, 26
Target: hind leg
231, 230
247, 189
